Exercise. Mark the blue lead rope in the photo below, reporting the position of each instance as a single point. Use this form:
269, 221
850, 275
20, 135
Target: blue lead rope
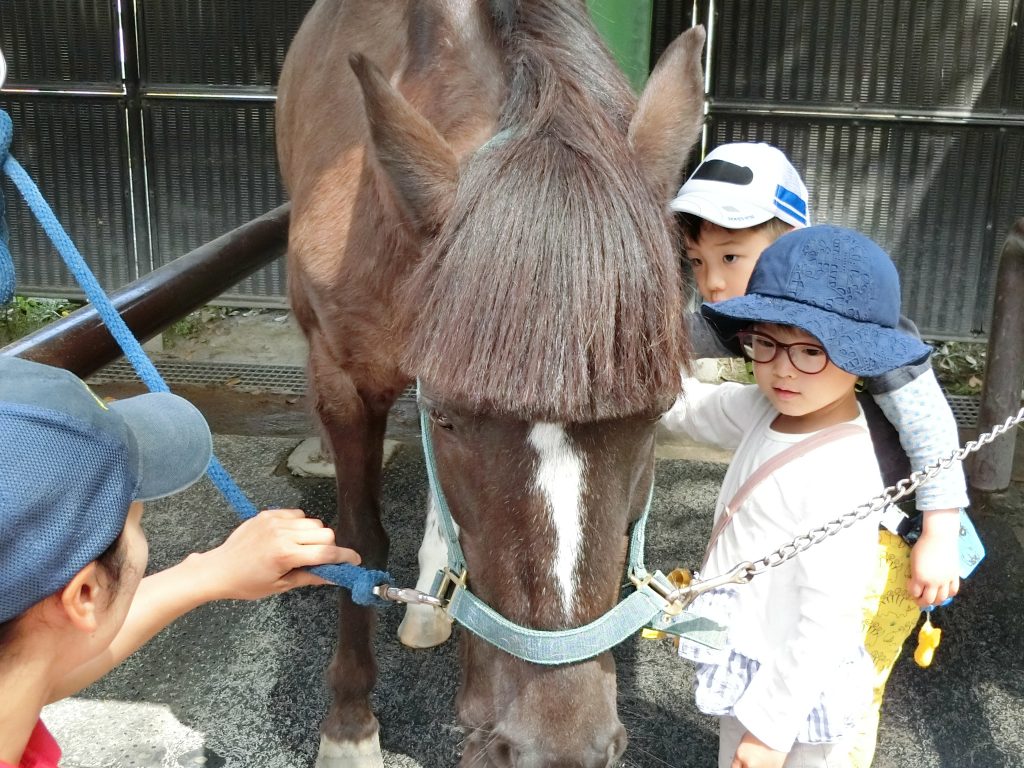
360, 581
6, 260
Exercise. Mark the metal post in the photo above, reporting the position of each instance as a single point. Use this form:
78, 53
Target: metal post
81, 342
991, 467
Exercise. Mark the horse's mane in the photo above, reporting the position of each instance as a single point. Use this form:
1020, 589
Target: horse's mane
553, 291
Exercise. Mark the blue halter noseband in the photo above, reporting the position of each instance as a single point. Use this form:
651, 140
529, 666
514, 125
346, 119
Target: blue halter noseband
654, 600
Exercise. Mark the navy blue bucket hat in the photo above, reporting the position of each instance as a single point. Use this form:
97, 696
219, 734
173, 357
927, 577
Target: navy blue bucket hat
71, 465
837, 285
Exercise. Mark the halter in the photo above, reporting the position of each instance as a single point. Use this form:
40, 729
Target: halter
654, 596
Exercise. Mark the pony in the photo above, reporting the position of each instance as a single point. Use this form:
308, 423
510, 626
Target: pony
478, 203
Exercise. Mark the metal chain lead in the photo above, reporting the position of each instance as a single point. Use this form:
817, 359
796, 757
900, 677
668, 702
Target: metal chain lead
890, 495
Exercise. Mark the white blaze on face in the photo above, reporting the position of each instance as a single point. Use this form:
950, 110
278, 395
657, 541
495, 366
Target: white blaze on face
560, 480
461, 11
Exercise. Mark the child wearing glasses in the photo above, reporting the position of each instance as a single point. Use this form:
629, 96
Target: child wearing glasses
739, 201
794, 681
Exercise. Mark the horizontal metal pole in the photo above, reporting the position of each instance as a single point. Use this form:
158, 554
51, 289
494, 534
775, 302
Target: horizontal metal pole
81, 342
991, 468
866, 113
201, 93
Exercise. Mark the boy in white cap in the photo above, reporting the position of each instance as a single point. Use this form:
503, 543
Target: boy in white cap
74, 472
738, 201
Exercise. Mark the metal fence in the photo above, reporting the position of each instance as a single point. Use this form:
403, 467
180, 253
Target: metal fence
149, 125
905, 117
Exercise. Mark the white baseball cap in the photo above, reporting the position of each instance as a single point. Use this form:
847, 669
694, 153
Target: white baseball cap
743, 185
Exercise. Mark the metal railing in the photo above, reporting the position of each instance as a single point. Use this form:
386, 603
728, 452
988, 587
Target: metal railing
81, 342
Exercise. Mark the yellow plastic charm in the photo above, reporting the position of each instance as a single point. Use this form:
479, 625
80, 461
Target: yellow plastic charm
680, 577
927, 641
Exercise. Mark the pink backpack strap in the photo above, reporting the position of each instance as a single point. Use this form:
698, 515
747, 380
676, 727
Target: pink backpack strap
795, 451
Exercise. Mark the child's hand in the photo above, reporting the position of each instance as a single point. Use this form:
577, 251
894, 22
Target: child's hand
261, 555
754, 753
935, 560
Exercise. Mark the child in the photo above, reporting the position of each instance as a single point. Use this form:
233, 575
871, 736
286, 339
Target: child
739, 200
74, 472
821, 310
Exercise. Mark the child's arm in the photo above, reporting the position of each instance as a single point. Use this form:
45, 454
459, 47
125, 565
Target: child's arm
822, 596
935, 558
914, 404
258, 559
717, 414
827, 627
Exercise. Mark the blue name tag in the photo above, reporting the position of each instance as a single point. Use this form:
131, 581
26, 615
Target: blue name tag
972, 551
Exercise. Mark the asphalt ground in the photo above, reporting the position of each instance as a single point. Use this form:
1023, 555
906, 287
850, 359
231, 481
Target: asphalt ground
241, 684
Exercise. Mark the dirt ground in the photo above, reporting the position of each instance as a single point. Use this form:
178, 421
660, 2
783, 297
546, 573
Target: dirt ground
256, 336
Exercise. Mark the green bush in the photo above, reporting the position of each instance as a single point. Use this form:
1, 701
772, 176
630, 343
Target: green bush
24, 314
960, 366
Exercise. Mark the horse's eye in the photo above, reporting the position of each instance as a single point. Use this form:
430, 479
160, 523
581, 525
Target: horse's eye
441, 420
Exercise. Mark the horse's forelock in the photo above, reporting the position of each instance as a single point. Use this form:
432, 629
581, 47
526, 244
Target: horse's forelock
553, 291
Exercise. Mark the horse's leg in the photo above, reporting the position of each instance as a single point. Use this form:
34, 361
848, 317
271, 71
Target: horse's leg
425, 626
355, 430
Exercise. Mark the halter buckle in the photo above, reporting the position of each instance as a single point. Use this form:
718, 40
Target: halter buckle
449, 584
675, 601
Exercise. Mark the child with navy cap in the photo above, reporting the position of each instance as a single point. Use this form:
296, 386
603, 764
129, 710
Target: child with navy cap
793, 681
74, 472
738, 201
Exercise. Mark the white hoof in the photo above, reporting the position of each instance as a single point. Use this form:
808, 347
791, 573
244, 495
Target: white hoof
348, 754
424, 627
311, 459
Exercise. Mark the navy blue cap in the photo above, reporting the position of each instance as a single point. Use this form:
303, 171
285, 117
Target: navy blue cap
836, 284
70, 466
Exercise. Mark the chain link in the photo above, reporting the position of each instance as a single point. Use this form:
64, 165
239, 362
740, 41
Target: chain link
889, 496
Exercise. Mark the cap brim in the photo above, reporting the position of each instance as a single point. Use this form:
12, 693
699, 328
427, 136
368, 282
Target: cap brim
863, 349
714, 211
173, 440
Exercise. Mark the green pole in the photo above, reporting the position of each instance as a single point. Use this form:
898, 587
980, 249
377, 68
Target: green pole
626, 28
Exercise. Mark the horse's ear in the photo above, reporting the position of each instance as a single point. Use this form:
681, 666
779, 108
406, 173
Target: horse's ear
669, 116
423, 169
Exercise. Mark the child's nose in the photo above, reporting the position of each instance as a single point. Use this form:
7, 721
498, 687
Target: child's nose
783, 366
715, 283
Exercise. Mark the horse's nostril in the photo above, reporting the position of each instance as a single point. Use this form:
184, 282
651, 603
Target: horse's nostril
502, 753
595, 751
616, 747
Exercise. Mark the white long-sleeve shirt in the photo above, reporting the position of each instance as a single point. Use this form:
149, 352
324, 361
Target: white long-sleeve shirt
800, 621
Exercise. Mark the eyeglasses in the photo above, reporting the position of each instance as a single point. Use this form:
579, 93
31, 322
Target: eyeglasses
762, 348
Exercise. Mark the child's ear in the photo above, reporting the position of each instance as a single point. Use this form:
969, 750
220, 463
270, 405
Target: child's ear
83, 598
